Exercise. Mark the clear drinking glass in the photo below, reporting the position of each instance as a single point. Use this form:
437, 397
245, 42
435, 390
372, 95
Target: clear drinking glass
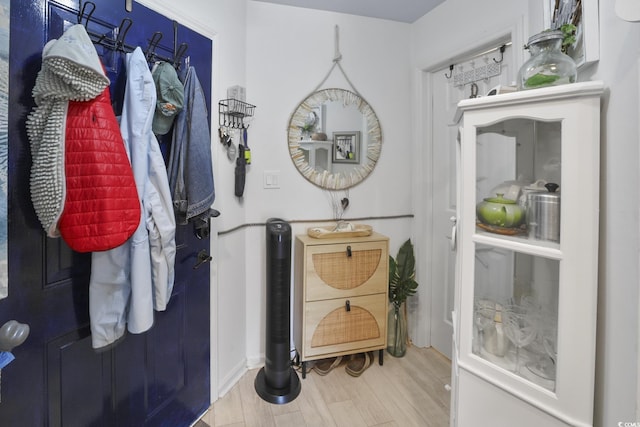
484, 312
550, 343
520, 327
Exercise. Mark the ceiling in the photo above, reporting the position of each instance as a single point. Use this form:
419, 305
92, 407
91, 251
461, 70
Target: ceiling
395, 10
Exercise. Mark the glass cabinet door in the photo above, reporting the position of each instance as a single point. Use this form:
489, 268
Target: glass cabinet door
515, 306
516, 313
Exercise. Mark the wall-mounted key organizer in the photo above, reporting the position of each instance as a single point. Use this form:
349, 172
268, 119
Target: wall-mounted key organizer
233, 112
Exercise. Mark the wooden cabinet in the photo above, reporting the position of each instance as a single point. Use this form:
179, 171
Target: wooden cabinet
340, 296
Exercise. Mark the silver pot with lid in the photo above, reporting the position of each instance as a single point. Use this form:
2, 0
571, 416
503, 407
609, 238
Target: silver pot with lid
543, 214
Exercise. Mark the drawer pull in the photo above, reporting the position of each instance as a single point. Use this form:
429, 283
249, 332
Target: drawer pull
349, 251
347, 305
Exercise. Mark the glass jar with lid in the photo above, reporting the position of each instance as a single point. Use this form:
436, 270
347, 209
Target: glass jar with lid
548, 65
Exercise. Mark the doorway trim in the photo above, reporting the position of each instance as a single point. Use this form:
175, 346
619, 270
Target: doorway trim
423, 147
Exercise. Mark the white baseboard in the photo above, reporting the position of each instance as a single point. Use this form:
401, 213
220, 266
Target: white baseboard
231, 378
255, 362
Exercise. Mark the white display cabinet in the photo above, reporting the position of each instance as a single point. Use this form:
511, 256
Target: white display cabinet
527, 258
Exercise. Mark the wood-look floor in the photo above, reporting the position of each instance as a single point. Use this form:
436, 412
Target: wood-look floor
406, 391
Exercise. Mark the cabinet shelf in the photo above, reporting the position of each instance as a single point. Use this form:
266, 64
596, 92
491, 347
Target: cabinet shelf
507, 363
520, 244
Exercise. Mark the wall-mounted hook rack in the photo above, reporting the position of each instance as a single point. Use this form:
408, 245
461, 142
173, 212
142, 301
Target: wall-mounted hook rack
467, 71
232, 112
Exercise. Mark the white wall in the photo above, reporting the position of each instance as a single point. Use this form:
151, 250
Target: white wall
439, 36
617, 354
289, 52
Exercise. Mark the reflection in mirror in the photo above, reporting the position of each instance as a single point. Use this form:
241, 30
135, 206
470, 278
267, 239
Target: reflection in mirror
334, 138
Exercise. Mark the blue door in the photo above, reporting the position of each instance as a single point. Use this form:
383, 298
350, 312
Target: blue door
158, 378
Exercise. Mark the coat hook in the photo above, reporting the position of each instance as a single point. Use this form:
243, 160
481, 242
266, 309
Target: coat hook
153, 43
81, 14
123, 29
450, 72
175, 38
502, 49
182, 49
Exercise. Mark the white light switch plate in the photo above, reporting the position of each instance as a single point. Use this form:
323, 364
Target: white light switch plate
271, 179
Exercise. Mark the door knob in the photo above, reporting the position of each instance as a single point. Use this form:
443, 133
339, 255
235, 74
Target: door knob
12, 334
203, 257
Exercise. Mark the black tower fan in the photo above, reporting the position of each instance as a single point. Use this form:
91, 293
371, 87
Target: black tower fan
277, 382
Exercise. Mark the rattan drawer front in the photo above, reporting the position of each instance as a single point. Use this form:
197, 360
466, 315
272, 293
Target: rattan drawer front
341, 270
331, 328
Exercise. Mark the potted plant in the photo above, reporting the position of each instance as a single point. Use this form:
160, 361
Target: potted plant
402, 284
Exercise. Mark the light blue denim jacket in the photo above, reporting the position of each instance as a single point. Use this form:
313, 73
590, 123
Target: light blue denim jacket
190, 168
128, 282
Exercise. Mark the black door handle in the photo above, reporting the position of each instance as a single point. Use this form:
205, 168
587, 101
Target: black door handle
203, 257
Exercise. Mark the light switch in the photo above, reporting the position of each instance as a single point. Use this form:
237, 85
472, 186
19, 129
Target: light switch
271, 179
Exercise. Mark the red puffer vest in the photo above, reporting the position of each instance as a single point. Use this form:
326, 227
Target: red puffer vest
102, 207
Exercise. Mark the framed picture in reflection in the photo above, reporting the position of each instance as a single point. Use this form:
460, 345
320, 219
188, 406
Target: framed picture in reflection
346, 147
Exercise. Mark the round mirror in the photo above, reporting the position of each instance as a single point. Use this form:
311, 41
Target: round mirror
334, 138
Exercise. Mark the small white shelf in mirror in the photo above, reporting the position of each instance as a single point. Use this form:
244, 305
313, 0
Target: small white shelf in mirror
319, 153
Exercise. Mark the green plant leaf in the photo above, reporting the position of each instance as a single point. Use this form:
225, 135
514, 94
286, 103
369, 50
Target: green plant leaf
402, 283
406, 261
393, 268
569, 36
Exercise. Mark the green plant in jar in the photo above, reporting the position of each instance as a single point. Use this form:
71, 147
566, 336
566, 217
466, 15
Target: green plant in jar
548, 65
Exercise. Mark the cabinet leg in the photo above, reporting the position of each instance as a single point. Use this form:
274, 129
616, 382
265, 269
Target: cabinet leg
304, 370
381, 357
